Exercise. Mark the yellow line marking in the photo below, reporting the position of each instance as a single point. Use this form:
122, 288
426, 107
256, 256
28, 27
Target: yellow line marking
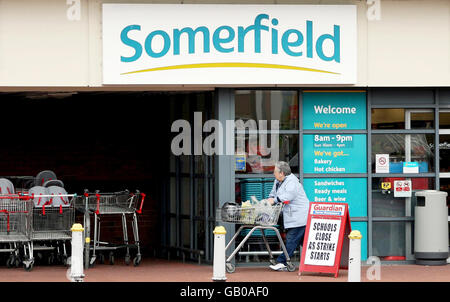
229, 64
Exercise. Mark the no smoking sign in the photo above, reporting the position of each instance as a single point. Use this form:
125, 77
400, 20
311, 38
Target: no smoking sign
382, 163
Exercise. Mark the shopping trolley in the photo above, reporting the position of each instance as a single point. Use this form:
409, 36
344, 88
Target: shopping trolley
53, 218
117, 203
22, 184
17, 184
256, 217
15, 228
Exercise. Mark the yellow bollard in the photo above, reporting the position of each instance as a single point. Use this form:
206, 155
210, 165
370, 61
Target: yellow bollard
76, 268
219, 254
354, 257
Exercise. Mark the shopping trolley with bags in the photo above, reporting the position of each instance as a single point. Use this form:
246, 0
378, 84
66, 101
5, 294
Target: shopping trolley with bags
121, 203
257, 216
53, 217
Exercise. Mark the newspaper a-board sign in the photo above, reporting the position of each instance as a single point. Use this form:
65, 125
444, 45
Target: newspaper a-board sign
325, 246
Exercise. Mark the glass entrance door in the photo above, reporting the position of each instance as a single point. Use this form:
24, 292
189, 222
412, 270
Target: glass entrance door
407, 138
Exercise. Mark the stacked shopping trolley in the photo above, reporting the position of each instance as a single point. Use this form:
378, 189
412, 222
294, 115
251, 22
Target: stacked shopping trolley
15, 225
35, 219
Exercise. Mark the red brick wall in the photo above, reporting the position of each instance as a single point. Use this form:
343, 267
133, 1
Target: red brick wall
106, 142
98, 172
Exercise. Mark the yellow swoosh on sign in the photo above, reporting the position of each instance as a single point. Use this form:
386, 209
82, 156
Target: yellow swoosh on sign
229, 64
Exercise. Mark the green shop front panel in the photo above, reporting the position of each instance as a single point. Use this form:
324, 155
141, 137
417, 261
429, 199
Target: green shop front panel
337, 153
334, 110
352, 191
334, 153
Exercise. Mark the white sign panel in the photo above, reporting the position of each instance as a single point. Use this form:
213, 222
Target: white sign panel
229, 44
410, 167
322, 241
382, 163
402, 188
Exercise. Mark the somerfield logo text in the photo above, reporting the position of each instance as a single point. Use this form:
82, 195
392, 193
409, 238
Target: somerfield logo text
294, 42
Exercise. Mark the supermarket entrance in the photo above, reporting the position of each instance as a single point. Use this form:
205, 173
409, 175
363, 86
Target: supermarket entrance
112, 141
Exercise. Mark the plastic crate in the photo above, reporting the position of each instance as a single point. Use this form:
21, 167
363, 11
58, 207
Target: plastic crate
251, 187
267, 188
257, 233
396, 167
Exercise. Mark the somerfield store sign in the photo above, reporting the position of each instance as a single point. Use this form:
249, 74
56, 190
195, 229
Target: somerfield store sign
229, 44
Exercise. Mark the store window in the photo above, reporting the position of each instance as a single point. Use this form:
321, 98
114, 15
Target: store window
422, 119
262, 152
390, 240
388, 119
401, 148
268, 105
444, 119
267, 131
444, 141
393, 197
385, 203
445, 186
385, 119
444, 153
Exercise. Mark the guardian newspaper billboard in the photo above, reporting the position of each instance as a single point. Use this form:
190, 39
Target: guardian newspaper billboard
229, 44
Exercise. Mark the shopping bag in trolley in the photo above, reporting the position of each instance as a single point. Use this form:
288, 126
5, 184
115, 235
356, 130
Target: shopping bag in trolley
230, 211
247, 213
264, 214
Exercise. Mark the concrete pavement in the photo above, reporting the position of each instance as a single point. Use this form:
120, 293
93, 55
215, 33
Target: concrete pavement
159, 270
